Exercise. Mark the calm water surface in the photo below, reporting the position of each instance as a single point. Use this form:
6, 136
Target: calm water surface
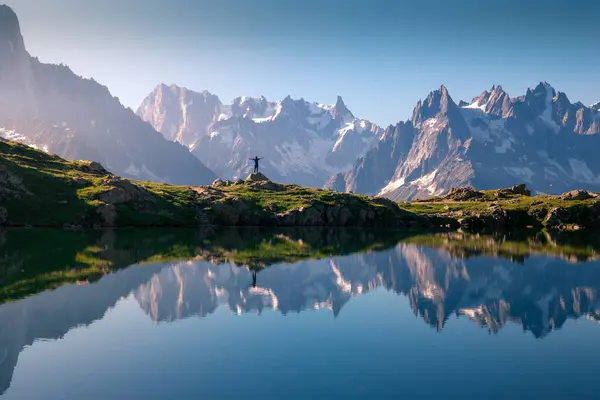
327, 315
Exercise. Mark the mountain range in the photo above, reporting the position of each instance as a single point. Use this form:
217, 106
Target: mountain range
302, 142
541, 139
49, 107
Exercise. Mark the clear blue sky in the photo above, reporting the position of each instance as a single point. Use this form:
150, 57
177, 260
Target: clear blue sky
381, 56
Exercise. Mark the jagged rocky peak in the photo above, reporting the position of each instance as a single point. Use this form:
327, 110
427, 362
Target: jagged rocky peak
437, 103
340, 111
595, 106
287, 102
495, 101
563, 105
543, 94
11, 40
561, 98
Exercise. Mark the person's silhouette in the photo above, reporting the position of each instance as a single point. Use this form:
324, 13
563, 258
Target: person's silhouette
253, 278
256, 160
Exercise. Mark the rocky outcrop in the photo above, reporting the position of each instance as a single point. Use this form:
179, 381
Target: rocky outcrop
257, 177
464, 194
123, 191
93, 167
494, 218
578, 195
574, 217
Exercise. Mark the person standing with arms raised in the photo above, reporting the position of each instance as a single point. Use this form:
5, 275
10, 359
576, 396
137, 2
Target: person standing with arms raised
256, 160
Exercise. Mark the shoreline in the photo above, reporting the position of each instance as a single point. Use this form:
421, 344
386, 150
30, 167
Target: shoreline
43, 190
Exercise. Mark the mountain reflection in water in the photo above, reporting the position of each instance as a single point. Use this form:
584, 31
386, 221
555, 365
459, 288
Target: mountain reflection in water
52, 282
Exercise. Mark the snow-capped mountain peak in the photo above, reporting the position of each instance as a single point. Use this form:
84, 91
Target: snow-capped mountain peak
303, 142
540, 139
340, 112
437, 103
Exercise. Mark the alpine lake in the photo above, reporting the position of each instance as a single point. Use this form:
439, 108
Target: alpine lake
298, 314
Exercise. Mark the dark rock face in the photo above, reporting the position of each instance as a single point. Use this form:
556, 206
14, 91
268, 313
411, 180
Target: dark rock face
11, 40
371, 172
52, 108
540, 139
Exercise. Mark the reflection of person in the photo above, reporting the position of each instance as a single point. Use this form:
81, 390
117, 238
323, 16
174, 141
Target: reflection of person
256, 160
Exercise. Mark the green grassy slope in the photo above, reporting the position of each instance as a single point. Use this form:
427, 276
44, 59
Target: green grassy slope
38, 189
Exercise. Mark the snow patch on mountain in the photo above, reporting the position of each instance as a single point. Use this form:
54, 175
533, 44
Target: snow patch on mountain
393, 185
10, 134
426, 182
546, 116
476, 105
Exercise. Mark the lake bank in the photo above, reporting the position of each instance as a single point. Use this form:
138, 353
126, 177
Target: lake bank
42, 190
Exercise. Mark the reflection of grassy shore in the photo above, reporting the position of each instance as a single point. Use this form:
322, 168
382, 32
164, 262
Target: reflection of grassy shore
570, 247
36, 260
39, 189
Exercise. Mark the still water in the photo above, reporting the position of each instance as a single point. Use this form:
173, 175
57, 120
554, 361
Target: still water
297, 314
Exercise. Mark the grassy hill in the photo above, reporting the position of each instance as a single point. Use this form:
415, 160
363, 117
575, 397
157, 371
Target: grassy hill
39, 189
